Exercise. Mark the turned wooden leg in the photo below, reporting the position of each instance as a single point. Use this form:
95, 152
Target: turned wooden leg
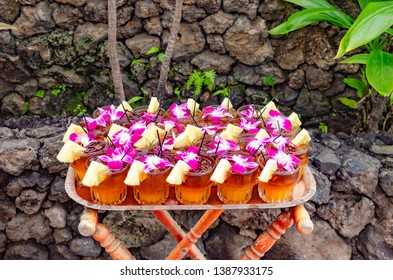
194, 234
178, 234
302, 220
89, 226
268, 238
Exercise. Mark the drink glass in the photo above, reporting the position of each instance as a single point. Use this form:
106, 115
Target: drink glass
153, 189
112, 190
301, 152
242, 111
237, 188
207, 120
280, 187
141, 113
94, 148
197, 186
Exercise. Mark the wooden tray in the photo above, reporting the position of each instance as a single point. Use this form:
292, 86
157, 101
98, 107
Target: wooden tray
304, 190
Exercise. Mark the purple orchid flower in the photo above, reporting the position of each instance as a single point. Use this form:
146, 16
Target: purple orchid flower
254, 144
179, 111
83, 138
167, 145
242, 163
171, 123
284, 160
212, 129
123, 138
277, 121
249, 113
91, 124
277, 141
149, 117
154, 162
223, 146
114, 158
190, 157
249, 125
110, 114
138, 127
216, 114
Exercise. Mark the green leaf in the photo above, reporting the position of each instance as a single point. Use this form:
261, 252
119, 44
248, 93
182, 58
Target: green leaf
208, 79
391, 98
359, 85
375, 19
135, 99
363, 3
357, 58
153, 50
323, 127
40, 93
55, 91
379, 71
349, 102
161, 57
308, 4
269, 80
305, 17
4, 26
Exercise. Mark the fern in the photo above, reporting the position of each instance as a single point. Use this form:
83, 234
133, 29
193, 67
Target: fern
209, 78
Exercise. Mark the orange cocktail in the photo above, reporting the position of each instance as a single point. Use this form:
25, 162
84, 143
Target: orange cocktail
237, 188
197, 185
94, 148
153, 188
112, 190
281, 185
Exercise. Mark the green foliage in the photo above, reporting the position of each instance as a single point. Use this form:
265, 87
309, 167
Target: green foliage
223, 92
26, 107
79, 110
139, 100
359, 85
349, 102
199, 79
136, 61
156, 50
60, 89
374, 20
269, 80
40, 93
4, 26
323, 127
177, 92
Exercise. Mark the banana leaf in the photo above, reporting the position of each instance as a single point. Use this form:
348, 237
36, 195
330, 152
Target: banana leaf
379, 71
374, 20
305, 17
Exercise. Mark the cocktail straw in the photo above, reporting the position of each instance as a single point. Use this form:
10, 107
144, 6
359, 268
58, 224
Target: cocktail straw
111, 141
125, 112
84, 117
193, 118
126, 153
194, 108
261, 116
200, 145
159, 143
83, 128
218, 144
279, 131
254, 153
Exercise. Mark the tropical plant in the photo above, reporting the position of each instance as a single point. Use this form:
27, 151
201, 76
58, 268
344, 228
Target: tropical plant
369, 32
200, 79
156, 50
4, 26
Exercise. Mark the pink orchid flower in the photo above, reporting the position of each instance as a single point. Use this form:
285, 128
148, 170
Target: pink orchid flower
249, 113
249, 125
138, 127
242, 163
167, 145
153, 162
171, 123
122, 138
284, 160
93, 123
190, 157
212, 129
254, 144
114, 158
179, 111
83, 138
277, 141
110, 114
216, 114
223, 146
277, 121
149, 117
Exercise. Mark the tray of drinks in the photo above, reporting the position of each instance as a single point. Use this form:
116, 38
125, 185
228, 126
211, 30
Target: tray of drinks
303, 192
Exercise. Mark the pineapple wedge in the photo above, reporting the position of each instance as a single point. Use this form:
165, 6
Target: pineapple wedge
136, 174
226, 103
148, 138
182, 140
268, 170
220, 173
269, 106
153, 105
191, 104
153, 130
294, 119
70, 151
95, 174
194, 133
178, 173
124, 105
73, 128
302, 138
224, 135
262, 133
233, 131
115, 128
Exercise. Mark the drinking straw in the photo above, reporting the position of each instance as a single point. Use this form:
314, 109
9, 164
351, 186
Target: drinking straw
84, 117
159, 143
193, 118
253, 154
261, 116
279, 131
125, 112
111, 141
83, 128
125, 153
218, 144
194, 108
200, 145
